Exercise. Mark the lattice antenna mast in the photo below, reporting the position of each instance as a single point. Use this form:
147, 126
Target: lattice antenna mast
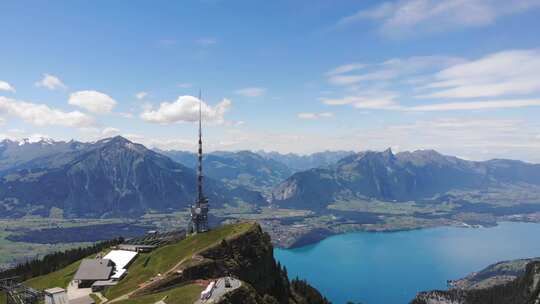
200, 173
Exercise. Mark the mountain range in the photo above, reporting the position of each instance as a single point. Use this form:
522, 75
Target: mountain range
111, 177
242, 168
297, 162
116, 177
405, 176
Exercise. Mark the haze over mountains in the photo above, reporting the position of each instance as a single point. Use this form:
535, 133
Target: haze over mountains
243, 168
116, 177
108, 178
405, 176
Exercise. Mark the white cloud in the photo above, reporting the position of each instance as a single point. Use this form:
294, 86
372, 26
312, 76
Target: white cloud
2, 121
406, 17
251, 92
512, 72
92, 101
50, 82
391, 69
475, 105
509, 78
367, 99
388, 103
346, 68
314, 116
4, 86
41, 115
141, 95
186, 109
185, 85
110, 132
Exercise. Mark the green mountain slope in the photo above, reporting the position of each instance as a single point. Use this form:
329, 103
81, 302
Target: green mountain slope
175, 271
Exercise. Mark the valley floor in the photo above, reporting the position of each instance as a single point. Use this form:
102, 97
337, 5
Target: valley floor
26, 238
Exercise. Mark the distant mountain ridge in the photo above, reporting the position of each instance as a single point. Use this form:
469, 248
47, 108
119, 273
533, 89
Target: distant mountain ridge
108, 178
297, 162
115, 176
397, 177
17, 152
242, 168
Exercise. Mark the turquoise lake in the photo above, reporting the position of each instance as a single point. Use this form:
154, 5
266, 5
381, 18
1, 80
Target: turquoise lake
391, 267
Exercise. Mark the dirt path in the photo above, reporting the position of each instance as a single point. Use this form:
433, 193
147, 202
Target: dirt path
101, 297
155, 279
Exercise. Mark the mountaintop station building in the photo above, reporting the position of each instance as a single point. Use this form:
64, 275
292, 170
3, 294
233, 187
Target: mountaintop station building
104, 272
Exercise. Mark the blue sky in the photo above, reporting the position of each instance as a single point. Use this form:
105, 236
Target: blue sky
457, 76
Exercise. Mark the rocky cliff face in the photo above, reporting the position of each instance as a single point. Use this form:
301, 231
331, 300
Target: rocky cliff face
523, 290
248, 257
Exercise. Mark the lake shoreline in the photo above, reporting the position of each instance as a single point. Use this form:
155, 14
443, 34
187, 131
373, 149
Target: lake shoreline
392, 267
317, 235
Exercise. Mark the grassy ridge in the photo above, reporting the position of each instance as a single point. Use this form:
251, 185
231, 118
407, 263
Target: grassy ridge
59, 278
164, 258
187, 294
148, 265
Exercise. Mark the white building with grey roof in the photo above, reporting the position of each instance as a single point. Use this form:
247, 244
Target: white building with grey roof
92, 270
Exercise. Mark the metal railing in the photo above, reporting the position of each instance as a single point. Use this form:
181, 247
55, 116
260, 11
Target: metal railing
18, 293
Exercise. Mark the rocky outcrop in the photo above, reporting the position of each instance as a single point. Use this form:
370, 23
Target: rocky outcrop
523, 290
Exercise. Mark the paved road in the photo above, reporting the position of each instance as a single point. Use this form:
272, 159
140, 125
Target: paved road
74, 292
221, 290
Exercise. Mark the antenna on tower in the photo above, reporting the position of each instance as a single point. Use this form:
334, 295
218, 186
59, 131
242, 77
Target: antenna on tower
199, 211
200, 176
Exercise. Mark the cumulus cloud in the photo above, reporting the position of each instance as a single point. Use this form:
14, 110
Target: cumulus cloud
50, 82
41, 115
314, 116
4, 86
92, 101
251, 92
110, 132
512, 72
141, 95
186, 109
406, 17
